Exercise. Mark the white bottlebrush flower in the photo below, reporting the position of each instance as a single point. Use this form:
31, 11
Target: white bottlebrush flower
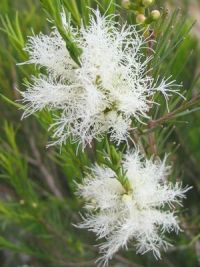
139, 208
109, 89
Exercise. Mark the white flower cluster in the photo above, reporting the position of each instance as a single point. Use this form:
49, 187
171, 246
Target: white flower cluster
142, 213
104, 94
109, 89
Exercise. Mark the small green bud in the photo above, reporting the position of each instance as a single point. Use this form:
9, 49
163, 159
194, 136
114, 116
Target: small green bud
147, 3
126, 4
22, 201
155, 14
136, 12
140, 18
34, 205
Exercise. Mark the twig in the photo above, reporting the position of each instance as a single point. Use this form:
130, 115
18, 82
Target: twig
117, 257
45, 172
128, 262
77, 264
152, 143
187, 104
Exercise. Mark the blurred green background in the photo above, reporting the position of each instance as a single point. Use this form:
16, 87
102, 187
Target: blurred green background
37, 202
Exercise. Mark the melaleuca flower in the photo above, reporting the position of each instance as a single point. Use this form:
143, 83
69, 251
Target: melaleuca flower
139, 208
105, 93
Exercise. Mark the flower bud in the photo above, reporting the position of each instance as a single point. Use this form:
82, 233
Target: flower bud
147, 3
127, 198
155, 14
34, 205
22, 201
126, 4
140, 18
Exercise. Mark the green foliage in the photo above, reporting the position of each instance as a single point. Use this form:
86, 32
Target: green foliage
14, 167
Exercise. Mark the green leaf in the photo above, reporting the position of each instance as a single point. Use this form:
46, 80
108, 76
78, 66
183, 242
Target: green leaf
54, 11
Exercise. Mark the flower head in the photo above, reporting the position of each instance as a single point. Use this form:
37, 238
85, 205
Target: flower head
109, 89
141, 212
